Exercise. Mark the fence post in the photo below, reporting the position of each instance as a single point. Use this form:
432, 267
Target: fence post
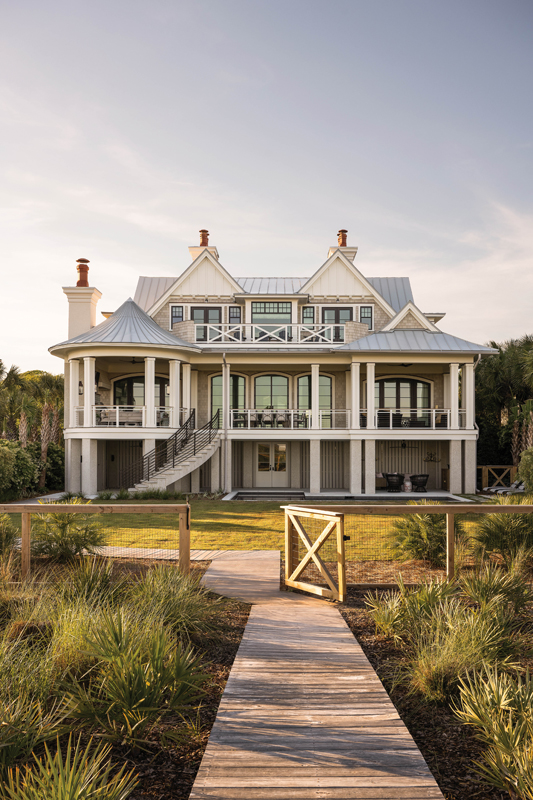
185, 541
484, 477
341, 563
289, 566
450, 546
25, 545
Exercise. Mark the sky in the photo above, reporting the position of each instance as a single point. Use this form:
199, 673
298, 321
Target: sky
125, 127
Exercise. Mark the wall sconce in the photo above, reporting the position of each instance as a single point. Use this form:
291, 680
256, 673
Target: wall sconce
404, 445
80, 387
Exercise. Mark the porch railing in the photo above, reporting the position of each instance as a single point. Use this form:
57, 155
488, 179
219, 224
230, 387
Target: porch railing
279, 418
401, 418
268, 334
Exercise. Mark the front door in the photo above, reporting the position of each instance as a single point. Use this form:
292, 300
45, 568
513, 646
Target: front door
271, 465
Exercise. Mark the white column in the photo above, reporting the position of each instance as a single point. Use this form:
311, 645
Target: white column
468, 394
227, 466
470, 476
215, 471
454, 395
370, 466
195, 481
370, 395
315, 395
174, 388
314, 466
355, 466
89, 466
225, 396
456, 478
149, 391
74, 394
186, 388
356, 394
88, 391
73, 465
148, 446
194, 395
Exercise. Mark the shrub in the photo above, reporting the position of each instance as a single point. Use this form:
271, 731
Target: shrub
8, 534
422, 536
91, 579
19, 472
525, 469
77, 775
65, 536
105, 495
23, 727
492, 583
133, 690
177, 600
500, 709
123, 494
503, 534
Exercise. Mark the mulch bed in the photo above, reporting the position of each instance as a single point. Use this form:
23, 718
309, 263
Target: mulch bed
449, 747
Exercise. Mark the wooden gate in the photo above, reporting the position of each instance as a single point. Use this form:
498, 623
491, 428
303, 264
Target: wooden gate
296, 533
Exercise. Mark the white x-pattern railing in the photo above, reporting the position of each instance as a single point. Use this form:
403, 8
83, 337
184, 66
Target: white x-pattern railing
267, 334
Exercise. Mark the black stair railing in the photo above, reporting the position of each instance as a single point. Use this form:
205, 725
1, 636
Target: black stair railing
146, 466
182, 445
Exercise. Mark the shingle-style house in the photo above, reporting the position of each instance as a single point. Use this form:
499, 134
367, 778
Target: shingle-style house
322, 384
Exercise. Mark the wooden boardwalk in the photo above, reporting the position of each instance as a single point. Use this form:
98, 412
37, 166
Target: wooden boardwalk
303, 715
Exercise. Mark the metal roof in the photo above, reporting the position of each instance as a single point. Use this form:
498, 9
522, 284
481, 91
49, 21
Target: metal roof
151, 289
129, 325
396, 291
415, 342
271, 285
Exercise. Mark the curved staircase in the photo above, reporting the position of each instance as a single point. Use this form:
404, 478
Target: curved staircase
182, 453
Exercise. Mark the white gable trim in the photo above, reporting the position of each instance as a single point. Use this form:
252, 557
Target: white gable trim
160, 302
359, 275
417, 314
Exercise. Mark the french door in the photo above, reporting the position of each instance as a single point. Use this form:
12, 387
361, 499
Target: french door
337, 317
271, 468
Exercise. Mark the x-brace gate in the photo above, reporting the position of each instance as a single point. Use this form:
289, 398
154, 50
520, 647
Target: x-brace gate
295, 533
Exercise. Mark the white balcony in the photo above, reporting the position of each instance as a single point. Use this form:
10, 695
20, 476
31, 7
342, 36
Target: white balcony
279, 418
402, 419
270, 334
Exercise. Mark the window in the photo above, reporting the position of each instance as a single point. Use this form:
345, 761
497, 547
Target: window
278, 313
402, 394
365, 315
336, 317
235, 315
210, 318
130, 392
272, 391
324, 392
176, 315
308, 315
237, 393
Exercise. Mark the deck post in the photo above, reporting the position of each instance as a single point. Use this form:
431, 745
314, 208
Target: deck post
25, 545
289, 560
450, 546
341, 561
185, 541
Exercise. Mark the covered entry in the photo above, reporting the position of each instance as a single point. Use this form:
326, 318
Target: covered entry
271, 465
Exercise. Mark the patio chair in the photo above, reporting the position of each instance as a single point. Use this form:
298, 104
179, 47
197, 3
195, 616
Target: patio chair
394, 481
419, 482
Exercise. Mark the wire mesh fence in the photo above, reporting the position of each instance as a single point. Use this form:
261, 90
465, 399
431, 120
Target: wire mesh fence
107, 529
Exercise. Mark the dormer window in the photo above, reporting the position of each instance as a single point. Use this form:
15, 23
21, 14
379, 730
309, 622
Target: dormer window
366, 316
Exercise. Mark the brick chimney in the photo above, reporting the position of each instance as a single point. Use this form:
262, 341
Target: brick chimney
82, 301
342, 239
204, 245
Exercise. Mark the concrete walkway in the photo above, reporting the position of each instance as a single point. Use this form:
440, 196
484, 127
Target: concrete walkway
303, 715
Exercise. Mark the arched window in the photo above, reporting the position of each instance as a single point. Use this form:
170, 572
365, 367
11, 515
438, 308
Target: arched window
324, 392
403, 394
237, 386
272, 391
130, 391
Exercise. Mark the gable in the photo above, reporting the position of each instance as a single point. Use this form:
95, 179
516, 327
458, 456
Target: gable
205, 278
410, 322
410, 318
337, 279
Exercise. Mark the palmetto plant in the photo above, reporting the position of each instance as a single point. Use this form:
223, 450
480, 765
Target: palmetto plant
65, 536
24, 725
76, 775
504, 534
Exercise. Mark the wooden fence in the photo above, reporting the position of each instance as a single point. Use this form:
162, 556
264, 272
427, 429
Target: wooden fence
26, 510
494, 475
334, 516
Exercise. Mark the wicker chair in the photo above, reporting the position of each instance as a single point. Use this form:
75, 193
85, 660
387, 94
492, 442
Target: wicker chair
419, 482
394, 481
